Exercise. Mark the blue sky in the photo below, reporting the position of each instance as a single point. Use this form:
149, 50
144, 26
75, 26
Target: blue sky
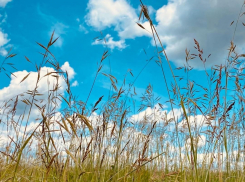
76, 23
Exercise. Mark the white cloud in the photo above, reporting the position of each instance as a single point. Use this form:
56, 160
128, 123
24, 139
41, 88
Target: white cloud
3, 42
45, 84
60, 29
196, 121
117, 14
70, 70
206, 21
112, 13
74, 84
199, 141
3, 3
157, 114
110, 43
132, 30
3, 51
15, 87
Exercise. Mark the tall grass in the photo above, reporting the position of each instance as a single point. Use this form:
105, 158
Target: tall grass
199, 139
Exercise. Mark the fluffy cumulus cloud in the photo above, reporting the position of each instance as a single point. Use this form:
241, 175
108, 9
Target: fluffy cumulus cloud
196, 121
157, 114
117, 14
66, 68
199, 141
3, 3
178, 23
15, 87
23, 89
110, 43
206, 21
112, 13
18, 95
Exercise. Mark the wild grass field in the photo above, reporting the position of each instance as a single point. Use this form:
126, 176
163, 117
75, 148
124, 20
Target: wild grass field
200, 139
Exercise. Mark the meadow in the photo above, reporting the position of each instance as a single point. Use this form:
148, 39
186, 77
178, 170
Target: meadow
201, 138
